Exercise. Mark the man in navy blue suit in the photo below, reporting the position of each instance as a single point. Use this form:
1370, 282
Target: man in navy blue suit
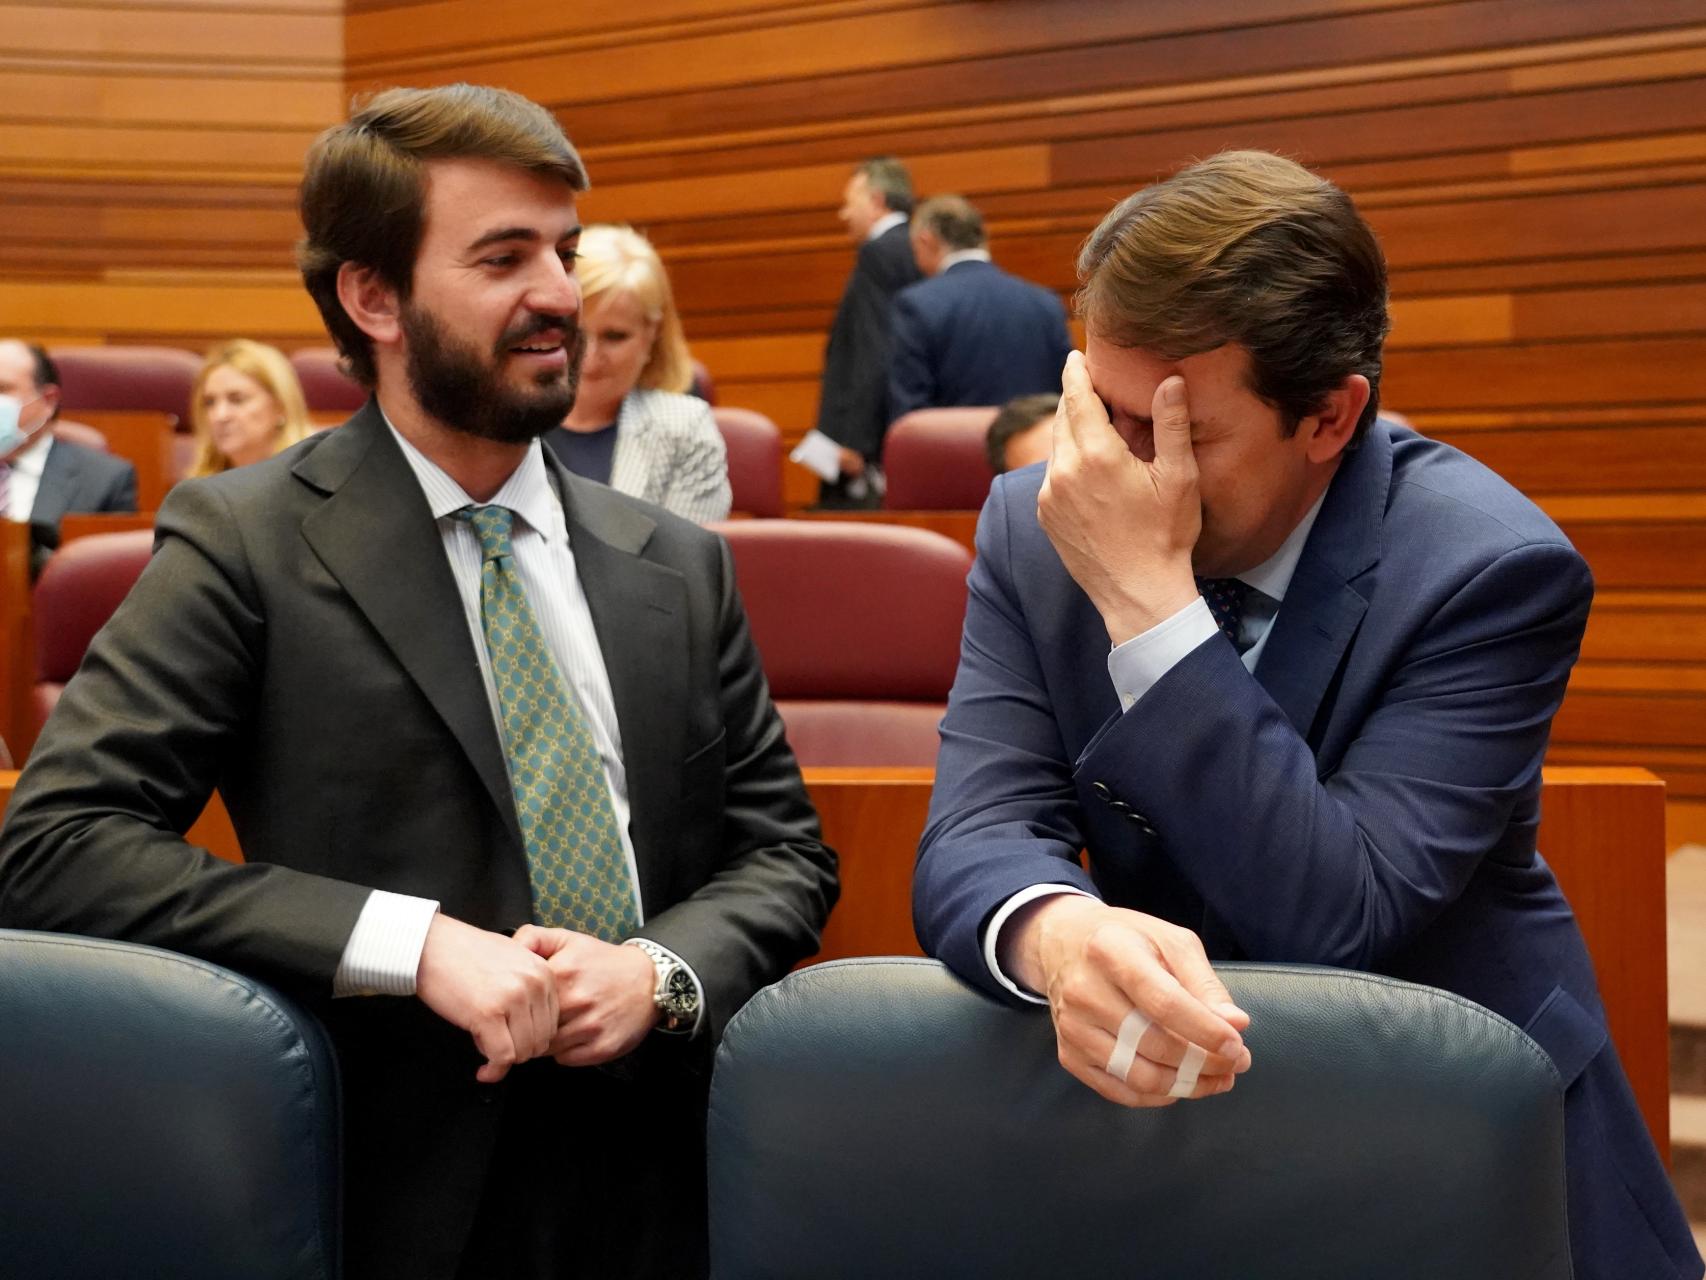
970, 334
1286, 671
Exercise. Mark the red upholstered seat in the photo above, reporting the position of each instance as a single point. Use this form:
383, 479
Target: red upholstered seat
79, 589
127, 378
755, 460
934, 460
858, 627
327, 388
81, 433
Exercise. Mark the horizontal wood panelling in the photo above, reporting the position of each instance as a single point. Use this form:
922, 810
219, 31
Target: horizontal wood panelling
149, 157
1536, 172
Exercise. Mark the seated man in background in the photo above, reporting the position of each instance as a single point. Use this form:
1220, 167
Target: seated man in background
1021, 433
970, 333
1285, 671
494, 739
43, 478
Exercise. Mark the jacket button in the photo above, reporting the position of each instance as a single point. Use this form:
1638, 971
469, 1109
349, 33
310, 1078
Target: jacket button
1119, 806
1101, 790
1140, 822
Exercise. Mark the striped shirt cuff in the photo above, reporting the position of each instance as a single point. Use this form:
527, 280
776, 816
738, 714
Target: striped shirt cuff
1137, 666
384, 949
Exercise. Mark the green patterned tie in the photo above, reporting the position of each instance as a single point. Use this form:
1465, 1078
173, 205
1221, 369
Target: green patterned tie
575, 859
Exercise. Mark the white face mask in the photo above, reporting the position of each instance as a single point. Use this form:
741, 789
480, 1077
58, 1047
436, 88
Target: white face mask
13, 433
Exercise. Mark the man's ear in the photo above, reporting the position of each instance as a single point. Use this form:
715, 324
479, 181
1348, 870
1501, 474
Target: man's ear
50, 394
370, 302
1331, 429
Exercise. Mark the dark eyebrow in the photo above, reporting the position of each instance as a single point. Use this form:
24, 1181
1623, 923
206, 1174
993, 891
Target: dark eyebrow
529, 235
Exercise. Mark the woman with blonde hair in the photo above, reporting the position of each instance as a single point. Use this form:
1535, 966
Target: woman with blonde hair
247, 405
631, 426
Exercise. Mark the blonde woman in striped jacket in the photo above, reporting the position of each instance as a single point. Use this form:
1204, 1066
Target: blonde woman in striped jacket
631, 427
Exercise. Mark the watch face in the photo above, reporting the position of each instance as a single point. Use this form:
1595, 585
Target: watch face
680, 996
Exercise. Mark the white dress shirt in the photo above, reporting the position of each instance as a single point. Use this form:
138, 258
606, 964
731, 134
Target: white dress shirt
24, 479
384, 949
883, 223
1136, 666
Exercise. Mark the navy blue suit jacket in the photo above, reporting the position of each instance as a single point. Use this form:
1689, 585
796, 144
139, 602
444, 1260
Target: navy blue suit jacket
851, 402
974, 335
1368, 798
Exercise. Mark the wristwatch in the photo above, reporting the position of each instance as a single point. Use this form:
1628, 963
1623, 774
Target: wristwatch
677, 995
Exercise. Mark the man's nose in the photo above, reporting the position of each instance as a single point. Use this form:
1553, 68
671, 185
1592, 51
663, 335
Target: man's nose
556, 291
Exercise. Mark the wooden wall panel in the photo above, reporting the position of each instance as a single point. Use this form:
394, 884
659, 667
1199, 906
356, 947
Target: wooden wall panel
1536, 172
149, 162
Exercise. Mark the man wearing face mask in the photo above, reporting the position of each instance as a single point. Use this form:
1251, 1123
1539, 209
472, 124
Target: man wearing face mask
43, 478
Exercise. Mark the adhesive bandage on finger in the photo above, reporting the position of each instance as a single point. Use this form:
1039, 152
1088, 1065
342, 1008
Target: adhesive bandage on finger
1132, 1028
1190, 1067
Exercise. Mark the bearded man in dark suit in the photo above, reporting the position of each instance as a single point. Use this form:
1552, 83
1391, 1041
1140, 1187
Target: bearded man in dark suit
495, 740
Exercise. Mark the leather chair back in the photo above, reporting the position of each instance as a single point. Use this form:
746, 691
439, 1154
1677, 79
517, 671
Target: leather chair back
755, 460
875, 1117
162, 1117
84, 581
858, 626
327, 388
81, 433
934, 460
160, 379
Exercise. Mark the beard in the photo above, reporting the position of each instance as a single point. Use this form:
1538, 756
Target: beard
467, 392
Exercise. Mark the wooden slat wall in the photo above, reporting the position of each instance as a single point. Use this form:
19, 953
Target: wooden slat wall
1536, 171
149, 157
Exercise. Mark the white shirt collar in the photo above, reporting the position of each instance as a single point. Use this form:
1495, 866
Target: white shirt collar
1273, 576
527, 492
882, 224
962, 255
33, 460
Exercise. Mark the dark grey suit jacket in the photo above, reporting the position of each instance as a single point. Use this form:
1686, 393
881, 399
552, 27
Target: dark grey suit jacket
77, 478
298, 642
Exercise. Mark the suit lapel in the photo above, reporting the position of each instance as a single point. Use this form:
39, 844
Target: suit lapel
1323, 607
640, 614
375, 534
53, 490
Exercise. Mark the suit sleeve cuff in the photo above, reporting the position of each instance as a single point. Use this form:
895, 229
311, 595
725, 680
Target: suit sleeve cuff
992, 934
384, 949
1137, 666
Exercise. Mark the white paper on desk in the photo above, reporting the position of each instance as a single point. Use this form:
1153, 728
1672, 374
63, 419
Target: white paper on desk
817, 452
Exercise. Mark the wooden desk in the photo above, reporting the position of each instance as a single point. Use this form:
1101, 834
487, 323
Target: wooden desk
1603, 833
86, 524
961, 526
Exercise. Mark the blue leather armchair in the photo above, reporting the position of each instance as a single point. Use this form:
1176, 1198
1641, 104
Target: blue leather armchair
876, 1118
160, 1116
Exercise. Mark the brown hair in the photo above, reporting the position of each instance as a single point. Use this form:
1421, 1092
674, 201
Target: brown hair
1250, 248
888, 177
1015, 417
267, 366
953, 220
364, 186
621, 260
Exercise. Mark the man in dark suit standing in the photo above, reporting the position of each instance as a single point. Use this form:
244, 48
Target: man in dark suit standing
495, 741
852, 403
1286, 671
970, 334
43, 478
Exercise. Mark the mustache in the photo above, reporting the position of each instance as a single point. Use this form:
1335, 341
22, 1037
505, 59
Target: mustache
570, 326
